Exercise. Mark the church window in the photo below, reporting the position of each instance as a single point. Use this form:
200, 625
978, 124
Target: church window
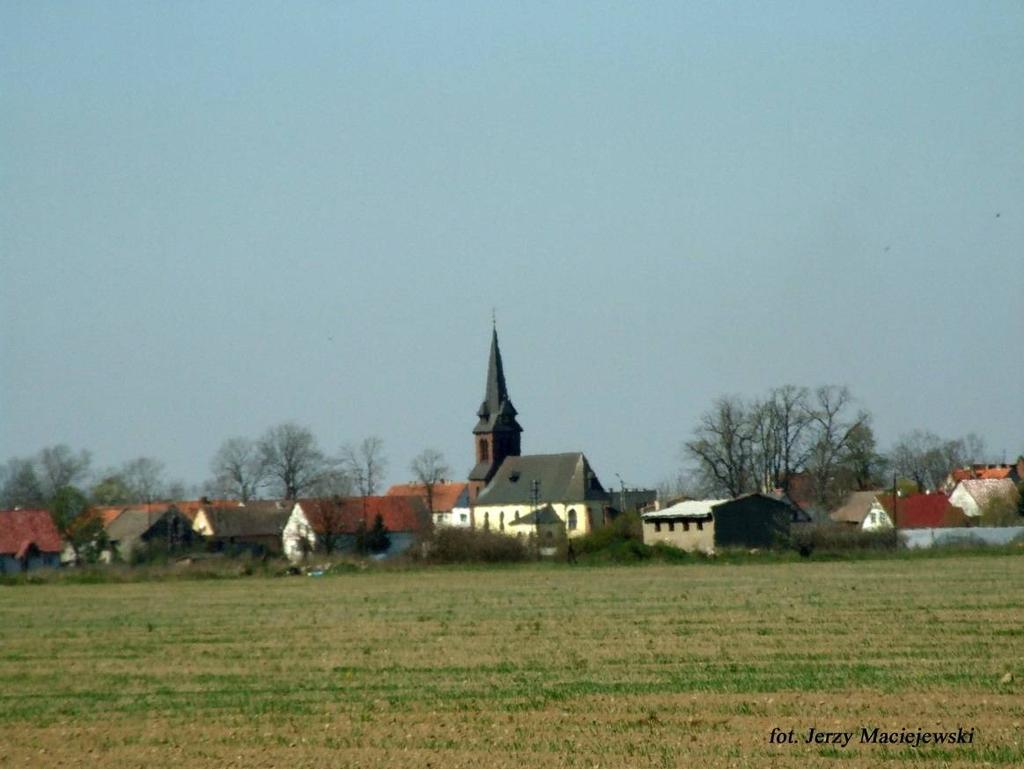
484, 450
572, 520
501, 519
487, 520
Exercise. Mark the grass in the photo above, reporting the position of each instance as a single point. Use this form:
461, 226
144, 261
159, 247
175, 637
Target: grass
534, 665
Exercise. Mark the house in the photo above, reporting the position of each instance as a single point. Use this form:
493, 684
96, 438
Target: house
564, 482
335, 523
922, 511
255, 526
973, 495
28, 540
688, 525
862, 509
162, 526
462, 513
444, 497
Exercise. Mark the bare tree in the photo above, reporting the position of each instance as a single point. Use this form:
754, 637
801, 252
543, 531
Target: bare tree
330, 512
238, 468
365, 464
780, 427
21, 486
833, 429
334, 481
59, 466
144, 479
723, 448
430, 469
292, 458
927, 459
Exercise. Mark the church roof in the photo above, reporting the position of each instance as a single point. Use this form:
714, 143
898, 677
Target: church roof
560, 477
496, 412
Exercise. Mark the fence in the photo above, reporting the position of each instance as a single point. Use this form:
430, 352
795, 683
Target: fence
983, 535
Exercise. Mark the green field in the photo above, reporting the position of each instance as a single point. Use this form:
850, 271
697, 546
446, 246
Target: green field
532, 666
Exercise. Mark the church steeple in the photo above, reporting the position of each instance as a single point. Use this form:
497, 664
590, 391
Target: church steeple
496, 434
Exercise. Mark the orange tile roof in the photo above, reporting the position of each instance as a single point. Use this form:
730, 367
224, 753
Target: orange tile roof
20, 529
345, 514
446, 493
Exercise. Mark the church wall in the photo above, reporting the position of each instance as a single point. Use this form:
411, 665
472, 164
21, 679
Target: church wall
481, 513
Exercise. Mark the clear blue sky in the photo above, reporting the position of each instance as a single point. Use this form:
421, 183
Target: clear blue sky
215, 217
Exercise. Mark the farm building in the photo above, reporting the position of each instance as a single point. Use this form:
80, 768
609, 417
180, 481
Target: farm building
28, 540
755, 520
254, 527
688, 525
134, 529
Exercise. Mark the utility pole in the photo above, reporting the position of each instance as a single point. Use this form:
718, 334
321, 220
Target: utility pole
535, 498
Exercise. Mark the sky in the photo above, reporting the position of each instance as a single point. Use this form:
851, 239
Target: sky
217, 217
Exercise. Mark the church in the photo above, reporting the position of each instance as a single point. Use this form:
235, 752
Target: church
521, 494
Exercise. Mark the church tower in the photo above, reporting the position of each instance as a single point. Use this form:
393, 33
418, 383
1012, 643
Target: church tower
496, 434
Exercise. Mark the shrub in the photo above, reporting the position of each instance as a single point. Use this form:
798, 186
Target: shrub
834, 538
456, 545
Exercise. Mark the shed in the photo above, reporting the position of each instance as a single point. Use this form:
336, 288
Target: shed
754, 520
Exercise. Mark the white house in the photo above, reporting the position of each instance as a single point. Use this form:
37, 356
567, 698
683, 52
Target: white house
973, 495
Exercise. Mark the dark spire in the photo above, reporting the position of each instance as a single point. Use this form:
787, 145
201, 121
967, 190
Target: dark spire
497, 431
497, 391
496, 412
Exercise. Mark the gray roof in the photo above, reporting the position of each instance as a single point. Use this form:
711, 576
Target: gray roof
256, 519
855, 508
133, 524
561, 477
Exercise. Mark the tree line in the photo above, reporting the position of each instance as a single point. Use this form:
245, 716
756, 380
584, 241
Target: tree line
745, 445
286, 462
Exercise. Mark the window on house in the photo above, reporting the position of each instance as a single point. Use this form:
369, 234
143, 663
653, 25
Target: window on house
463, 517
671, 525
487, 520
572, 520
686, 525
700, 525
657, 525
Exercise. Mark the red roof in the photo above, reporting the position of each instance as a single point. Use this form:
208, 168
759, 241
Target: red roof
446, 493
20, 529
923, 511
343, 515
